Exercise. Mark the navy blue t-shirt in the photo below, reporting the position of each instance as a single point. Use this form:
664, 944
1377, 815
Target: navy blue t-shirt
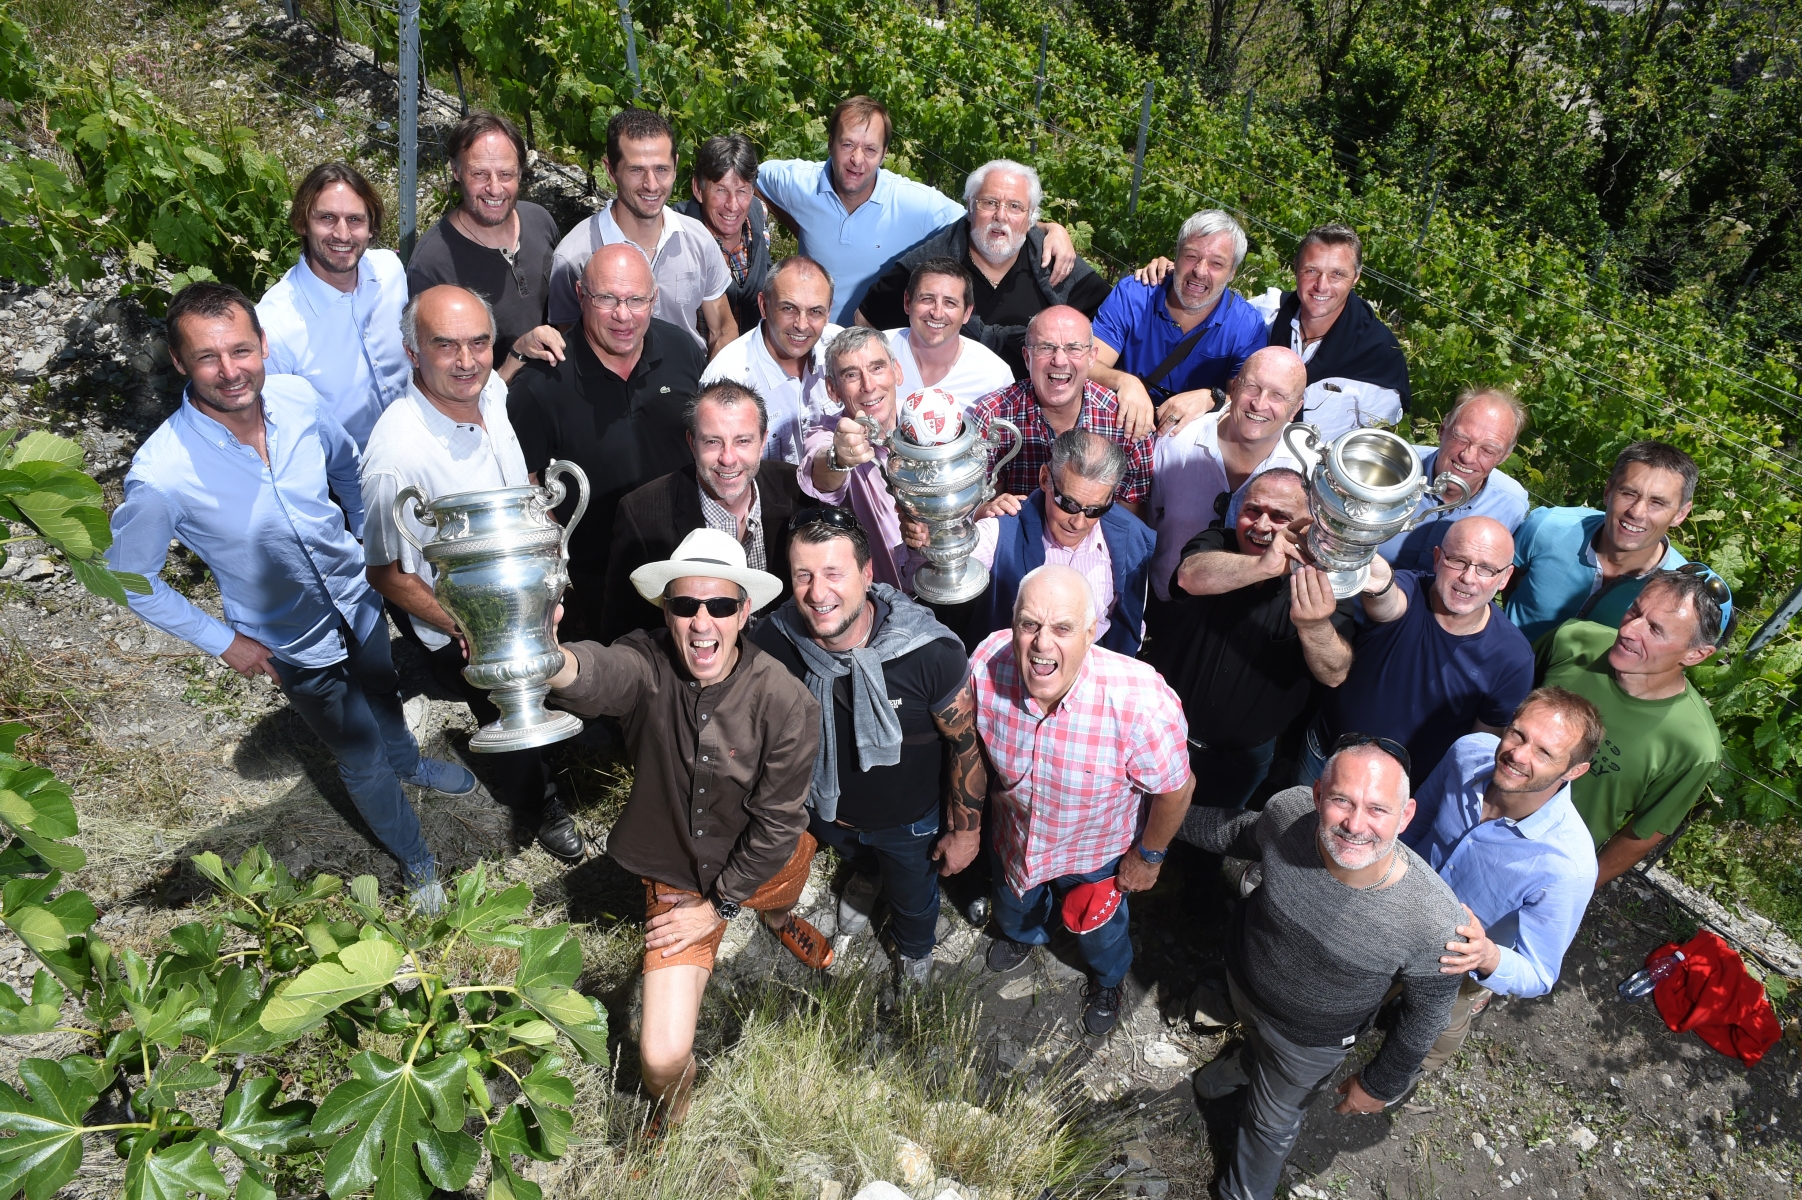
1412, 681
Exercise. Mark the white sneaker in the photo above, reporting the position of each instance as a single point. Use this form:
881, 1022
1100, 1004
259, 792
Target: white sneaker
857, 903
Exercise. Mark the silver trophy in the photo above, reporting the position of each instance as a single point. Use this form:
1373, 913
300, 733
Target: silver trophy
502, 563
1365, 488
940, 486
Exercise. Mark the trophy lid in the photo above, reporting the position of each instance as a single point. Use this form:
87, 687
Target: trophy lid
1375, 466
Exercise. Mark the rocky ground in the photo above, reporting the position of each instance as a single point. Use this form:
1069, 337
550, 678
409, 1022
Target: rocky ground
1569, 1095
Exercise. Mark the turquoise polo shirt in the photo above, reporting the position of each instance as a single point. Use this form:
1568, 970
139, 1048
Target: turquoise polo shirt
854, 247
1135, 320
1555, 548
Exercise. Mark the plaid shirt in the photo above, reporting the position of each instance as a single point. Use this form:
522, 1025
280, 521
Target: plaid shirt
1100, 413
1066, 793
719, 517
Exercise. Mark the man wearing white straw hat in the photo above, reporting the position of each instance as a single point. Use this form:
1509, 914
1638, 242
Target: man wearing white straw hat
722, 742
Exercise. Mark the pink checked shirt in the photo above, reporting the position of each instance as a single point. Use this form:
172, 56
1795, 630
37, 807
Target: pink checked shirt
1067, 792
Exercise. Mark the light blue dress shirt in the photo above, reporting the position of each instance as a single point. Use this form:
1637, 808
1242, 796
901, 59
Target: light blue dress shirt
854, 247
1501, 498
346, 344
290, 573
1528, 881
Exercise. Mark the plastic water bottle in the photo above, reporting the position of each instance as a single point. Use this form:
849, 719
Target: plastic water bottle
1639, 985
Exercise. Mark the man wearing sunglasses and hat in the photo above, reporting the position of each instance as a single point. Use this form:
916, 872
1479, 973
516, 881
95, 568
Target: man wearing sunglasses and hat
722, 741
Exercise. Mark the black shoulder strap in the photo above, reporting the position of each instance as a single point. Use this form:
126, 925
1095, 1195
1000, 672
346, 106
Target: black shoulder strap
1176, 356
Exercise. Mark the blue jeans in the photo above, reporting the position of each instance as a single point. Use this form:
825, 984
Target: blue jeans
1229, 778
1315, 749
910, 879
1108, 950
354, 708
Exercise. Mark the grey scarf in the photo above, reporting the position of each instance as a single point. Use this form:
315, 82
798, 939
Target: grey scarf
910, 625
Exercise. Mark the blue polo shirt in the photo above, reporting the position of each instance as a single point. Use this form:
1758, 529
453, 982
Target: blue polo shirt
854, 247
1135, 320
1501, 498
1560, 578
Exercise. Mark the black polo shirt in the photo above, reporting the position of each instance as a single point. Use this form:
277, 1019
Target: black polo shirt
517, 289
1016, 301
919, 684
1235, 659
622, 432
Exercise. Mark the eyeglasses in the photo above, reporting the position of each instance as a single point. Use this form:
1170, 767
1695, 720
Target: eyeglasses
1389, 746
1070, 506
988, 206
608, 302
1460, 565
825, 514
718, 607
1047, 349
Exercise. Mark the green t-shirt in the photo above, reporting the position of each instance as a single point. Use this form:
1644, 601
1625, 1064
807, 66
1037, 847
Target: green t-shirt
1657, 755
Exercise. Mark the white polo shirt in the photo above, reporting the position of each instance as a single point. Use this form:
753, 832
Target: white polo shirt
346, 344
977, 371
795, 405
688, 267
415, 443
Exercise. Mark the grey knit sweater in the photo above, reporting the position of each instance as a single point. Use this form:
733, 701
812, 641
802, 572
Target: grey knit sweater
1316, 956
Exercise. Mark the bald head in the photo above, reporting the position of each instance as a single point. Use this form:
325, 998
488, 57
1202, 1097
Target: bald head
1363, 801
1054, 625
617, 293
448, 333
1058, 375
1267, 394
1475, 561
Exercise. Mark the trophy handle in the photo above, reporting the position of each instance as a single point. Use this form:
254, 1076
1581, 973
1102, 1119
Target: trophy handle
556, 489
991, 439
1445, 483
421, 513
1311, 442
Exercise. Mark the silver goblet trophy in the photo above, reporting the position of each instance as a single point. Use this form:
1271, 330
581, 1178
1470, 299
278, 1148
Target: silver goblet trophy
1364, 490
940, 486
502, 563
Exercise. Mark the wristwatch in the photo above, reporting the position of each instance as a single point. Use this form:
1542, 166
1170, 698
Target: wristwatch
1153, 857
514, 353
726, 909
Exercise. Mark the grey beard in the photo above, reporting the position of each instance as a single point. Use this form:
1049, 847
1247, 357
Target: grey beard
1326, 843
994, 259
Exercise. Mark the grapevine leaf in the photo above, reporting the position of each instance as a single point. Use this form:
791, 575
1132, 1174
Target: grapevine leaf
171, 1173
401, 1122
38, 446
44, 1151
302, 1002
251, 1123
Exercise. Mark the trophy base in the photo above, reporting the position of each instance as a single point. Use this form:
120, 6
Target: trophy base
1348, 583
524, 723
955, 583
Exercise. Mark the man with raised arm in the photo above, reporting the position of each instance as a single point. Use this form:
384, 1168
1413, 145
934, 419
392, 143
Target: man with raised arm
722, 741
243, 474
1089, 782
899, 782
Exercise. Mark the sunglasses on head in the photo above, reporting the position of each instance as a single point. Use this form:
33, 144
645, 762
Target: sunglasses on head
1091, 511
825, 514
718, 607
1389, 746
1718, 591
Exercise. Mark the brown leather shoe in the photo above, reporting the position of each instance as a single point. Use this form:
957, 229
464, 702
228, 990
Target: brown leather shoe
806, 943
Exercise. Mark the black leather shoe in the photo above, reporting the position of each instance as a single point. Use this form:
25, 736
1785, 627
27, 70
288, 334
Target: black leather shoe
1006, 954
558, 834
977, 912
1100, 1008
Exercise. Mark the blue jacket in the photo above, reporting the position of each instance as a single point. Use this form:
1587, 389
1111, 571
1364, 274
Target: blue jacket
1020, 547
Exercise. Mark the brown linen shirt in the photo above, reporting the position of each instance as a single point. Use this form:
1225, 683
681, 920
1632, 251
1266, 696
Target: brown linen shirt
720, 774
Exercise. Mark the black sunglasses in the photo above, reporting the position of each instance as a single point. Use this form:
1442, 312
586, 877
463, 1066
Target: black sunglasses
825, 514
1070, 506
1389, 746
718, 607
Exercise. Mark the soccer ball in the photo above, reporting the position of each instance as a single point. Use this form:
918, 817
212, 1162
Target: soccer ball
930, 417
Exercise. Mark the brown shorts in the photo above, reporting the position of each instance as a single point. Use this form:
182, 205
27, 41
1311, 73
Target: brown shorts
781, 891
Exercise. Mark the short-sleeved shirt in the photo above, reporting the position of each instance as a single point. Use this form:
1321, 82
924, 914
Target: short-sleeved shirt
1559, 578
795, 403
1657, 755
415, 443
977, 371
1136, 321
518, 286
1500, 498
688, 268
1067, 788
346, 344
1188, 479
1412, 681
919, 684
1235, 658
622, 432
854, 247
1100, 413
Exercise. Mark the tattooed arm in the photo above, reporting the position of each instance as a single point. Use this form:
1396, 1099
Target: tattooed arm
969, 784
